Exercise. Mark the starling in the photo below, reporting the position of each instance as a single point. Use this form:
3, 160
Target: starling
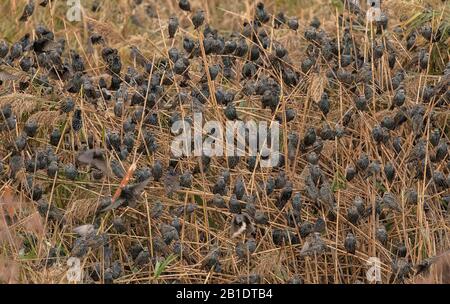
353, 214
230, 112
441, 151
239, 188
249, 69
188, 44
198, 18
399, 98
176, 223
173, 26
435, 137
169, 233
26, 63
4, 48
70, 172
350, 243
389, 171
67, 105
411, 41
260, 13
16, 51
320, 225
27, 11
261, 218
117, 169
307, 64
96, 38
218, 201
186, 179
310, 137
397, 144
297, 202
388, 123
52, 169
411, 196
361, 103
185, 5
418, 152
77, 121
30, 128
392, 59
423, 59
293, 24
391, 202
279, 20
220, 187
241, 48
401, 268
350, 173
440, 180
55, 137
142, 259
358, 202
234, 205
324, 104
363, 162
312, 158
211, 260
20, 142
181, 66
426, 31
400, 250
285, 195
381, 235
326, 195
157, 170
428, 93
374, 168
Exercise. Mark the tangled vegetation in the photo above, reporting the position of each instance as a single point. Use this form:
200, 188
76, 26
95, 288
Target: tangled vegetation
86, 169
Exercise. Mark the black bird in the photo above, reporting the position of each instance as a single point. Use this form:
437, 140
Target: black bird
350, 243
198, 18
77, 121
185, 5
293, 24
27, 11
260, 14
173, 26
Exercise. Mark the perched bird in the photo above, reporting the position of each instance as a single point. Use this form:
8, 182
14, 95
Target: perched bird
198, 18
293, 24
391, 202
381, 235
173, 26
350, 243
260, 13
423, 59
27, 11
185, 5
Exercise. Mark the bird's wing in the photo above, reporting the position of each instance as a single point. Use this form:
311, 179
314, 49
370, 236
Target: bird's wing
87, 157
117, 203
